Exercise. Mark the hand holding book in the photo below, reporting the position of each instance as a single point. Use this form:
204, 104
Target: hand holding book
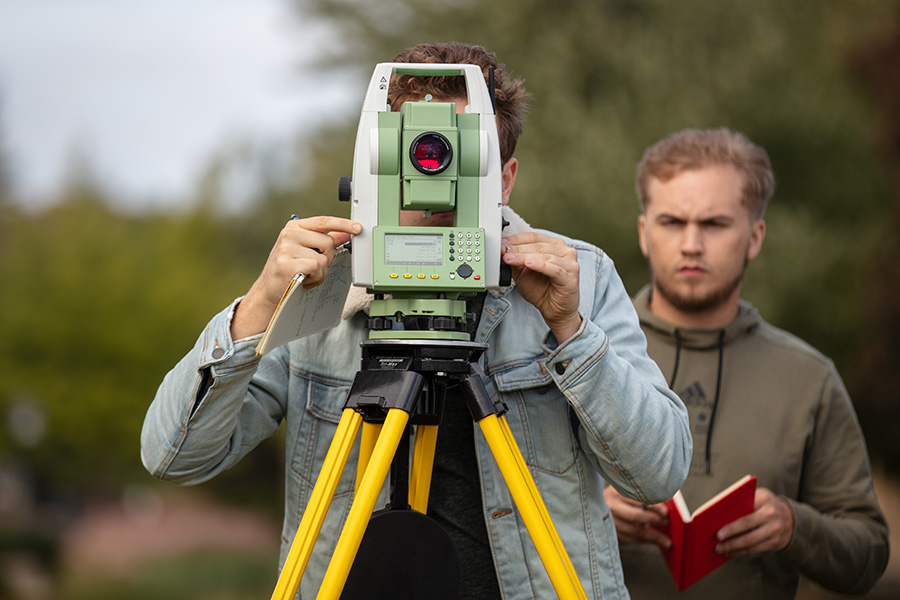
766, 524
635, 522
693, 552
769, 528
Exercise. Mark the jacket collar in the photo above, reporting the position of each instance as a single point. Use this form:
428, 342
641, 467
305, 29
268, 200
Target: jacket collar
697, 339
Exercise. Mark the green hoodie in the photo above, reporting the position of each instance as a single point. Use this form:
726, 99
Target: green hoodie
765, 403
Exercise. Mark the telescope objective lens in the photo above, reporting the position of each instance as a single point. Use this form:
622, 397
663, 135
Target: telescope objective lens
430, 153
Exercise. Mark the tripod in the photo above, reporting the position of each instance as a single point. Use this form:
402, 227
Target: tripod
402, 383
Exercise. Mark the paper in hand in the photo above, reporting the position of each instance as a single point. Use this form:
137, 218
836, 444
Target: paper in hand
303, 312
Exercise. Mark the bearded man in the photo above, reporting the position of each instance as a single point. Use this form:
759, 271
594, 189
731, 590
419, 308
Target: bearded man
761, 401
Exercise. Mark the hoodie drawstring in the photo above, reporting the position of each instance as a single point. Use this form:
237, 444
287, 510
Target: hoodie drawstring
712, 415
677, 358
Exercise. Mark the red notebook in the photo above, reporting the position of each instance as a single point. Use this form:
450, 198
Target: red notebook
692, 555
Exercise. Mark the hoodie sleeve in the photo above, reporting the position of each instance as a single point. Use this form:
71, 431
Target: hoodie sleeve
840, 536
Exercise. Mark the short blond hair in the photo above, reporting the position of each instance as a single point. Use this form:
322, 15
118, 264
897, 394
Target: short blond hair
693, 149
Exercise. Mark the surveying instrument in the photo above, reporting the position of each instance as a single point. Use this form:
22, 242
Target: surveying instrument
425, 157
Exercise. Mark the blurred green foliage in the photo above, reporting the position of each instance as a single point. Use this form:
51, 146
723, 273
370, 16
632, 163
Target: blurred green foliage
206, 576
95, 307
96, 304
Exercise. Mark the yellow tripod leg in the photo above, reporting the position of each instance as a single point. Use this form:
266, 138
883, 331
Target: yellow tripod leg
318, 504
370, 433
539, 502
423, 462
361, 510
523, 490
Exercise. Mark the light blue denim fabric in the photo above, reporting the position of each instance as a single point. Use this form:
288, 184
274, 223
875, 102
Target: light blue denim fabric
631, 430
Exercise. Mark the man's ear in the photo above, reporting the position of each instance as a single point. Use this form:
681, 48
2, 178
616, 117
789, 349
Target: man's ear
510, 168
642, 240
757, 234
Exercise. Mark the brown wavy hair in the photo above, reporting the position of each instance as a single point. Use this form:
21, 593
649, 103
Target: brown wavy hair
511, 98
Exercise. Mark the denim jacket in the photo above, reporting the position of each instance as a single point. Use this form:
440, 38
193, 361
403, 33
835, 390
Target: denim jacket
595, 408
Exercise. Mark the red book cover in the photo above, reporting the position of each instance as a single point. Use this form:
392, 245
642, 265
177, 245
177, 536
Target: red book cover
692, 555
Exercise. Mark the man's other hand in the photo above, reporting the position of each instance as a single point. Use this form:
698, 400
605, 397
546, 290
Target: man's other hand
635, 522
546, 273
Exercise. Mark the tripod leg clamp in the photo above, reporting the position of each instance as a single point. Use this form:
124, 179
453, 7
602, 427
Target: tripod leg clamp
477, 397
373, 393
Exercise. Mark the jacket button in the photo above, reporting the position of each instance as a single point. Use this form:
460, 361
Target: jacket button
218, 353
560, 368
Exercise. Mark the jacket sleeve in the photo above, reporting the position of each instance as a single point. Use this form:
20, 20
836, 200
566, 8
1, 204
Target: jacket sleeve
633, 425
213, 407
840, 536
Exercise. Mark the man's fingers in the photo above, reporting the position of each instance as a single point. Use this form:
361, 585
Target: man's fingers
325, 224
540, 264
538, 248
321, 233
641, 527
537, 252
340, 238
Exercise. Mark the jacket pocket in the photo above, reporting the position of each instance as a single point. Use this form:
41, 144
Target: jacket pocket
316, 424
538, 416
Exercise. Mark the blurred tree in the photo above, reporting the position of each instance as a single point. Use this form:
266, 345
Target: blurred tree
611, 77
95, 307
878, 65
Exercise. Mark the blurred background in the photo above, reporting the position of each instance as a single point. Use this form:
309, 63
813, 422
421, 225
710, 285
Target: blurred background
151, 151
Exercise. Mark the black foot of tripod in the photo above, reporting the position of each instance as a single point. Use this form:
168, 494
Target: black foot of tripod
403, 383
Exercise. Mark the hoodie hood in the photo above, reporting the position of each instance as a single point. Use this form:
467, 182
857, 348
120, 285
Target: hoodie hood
696, 339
